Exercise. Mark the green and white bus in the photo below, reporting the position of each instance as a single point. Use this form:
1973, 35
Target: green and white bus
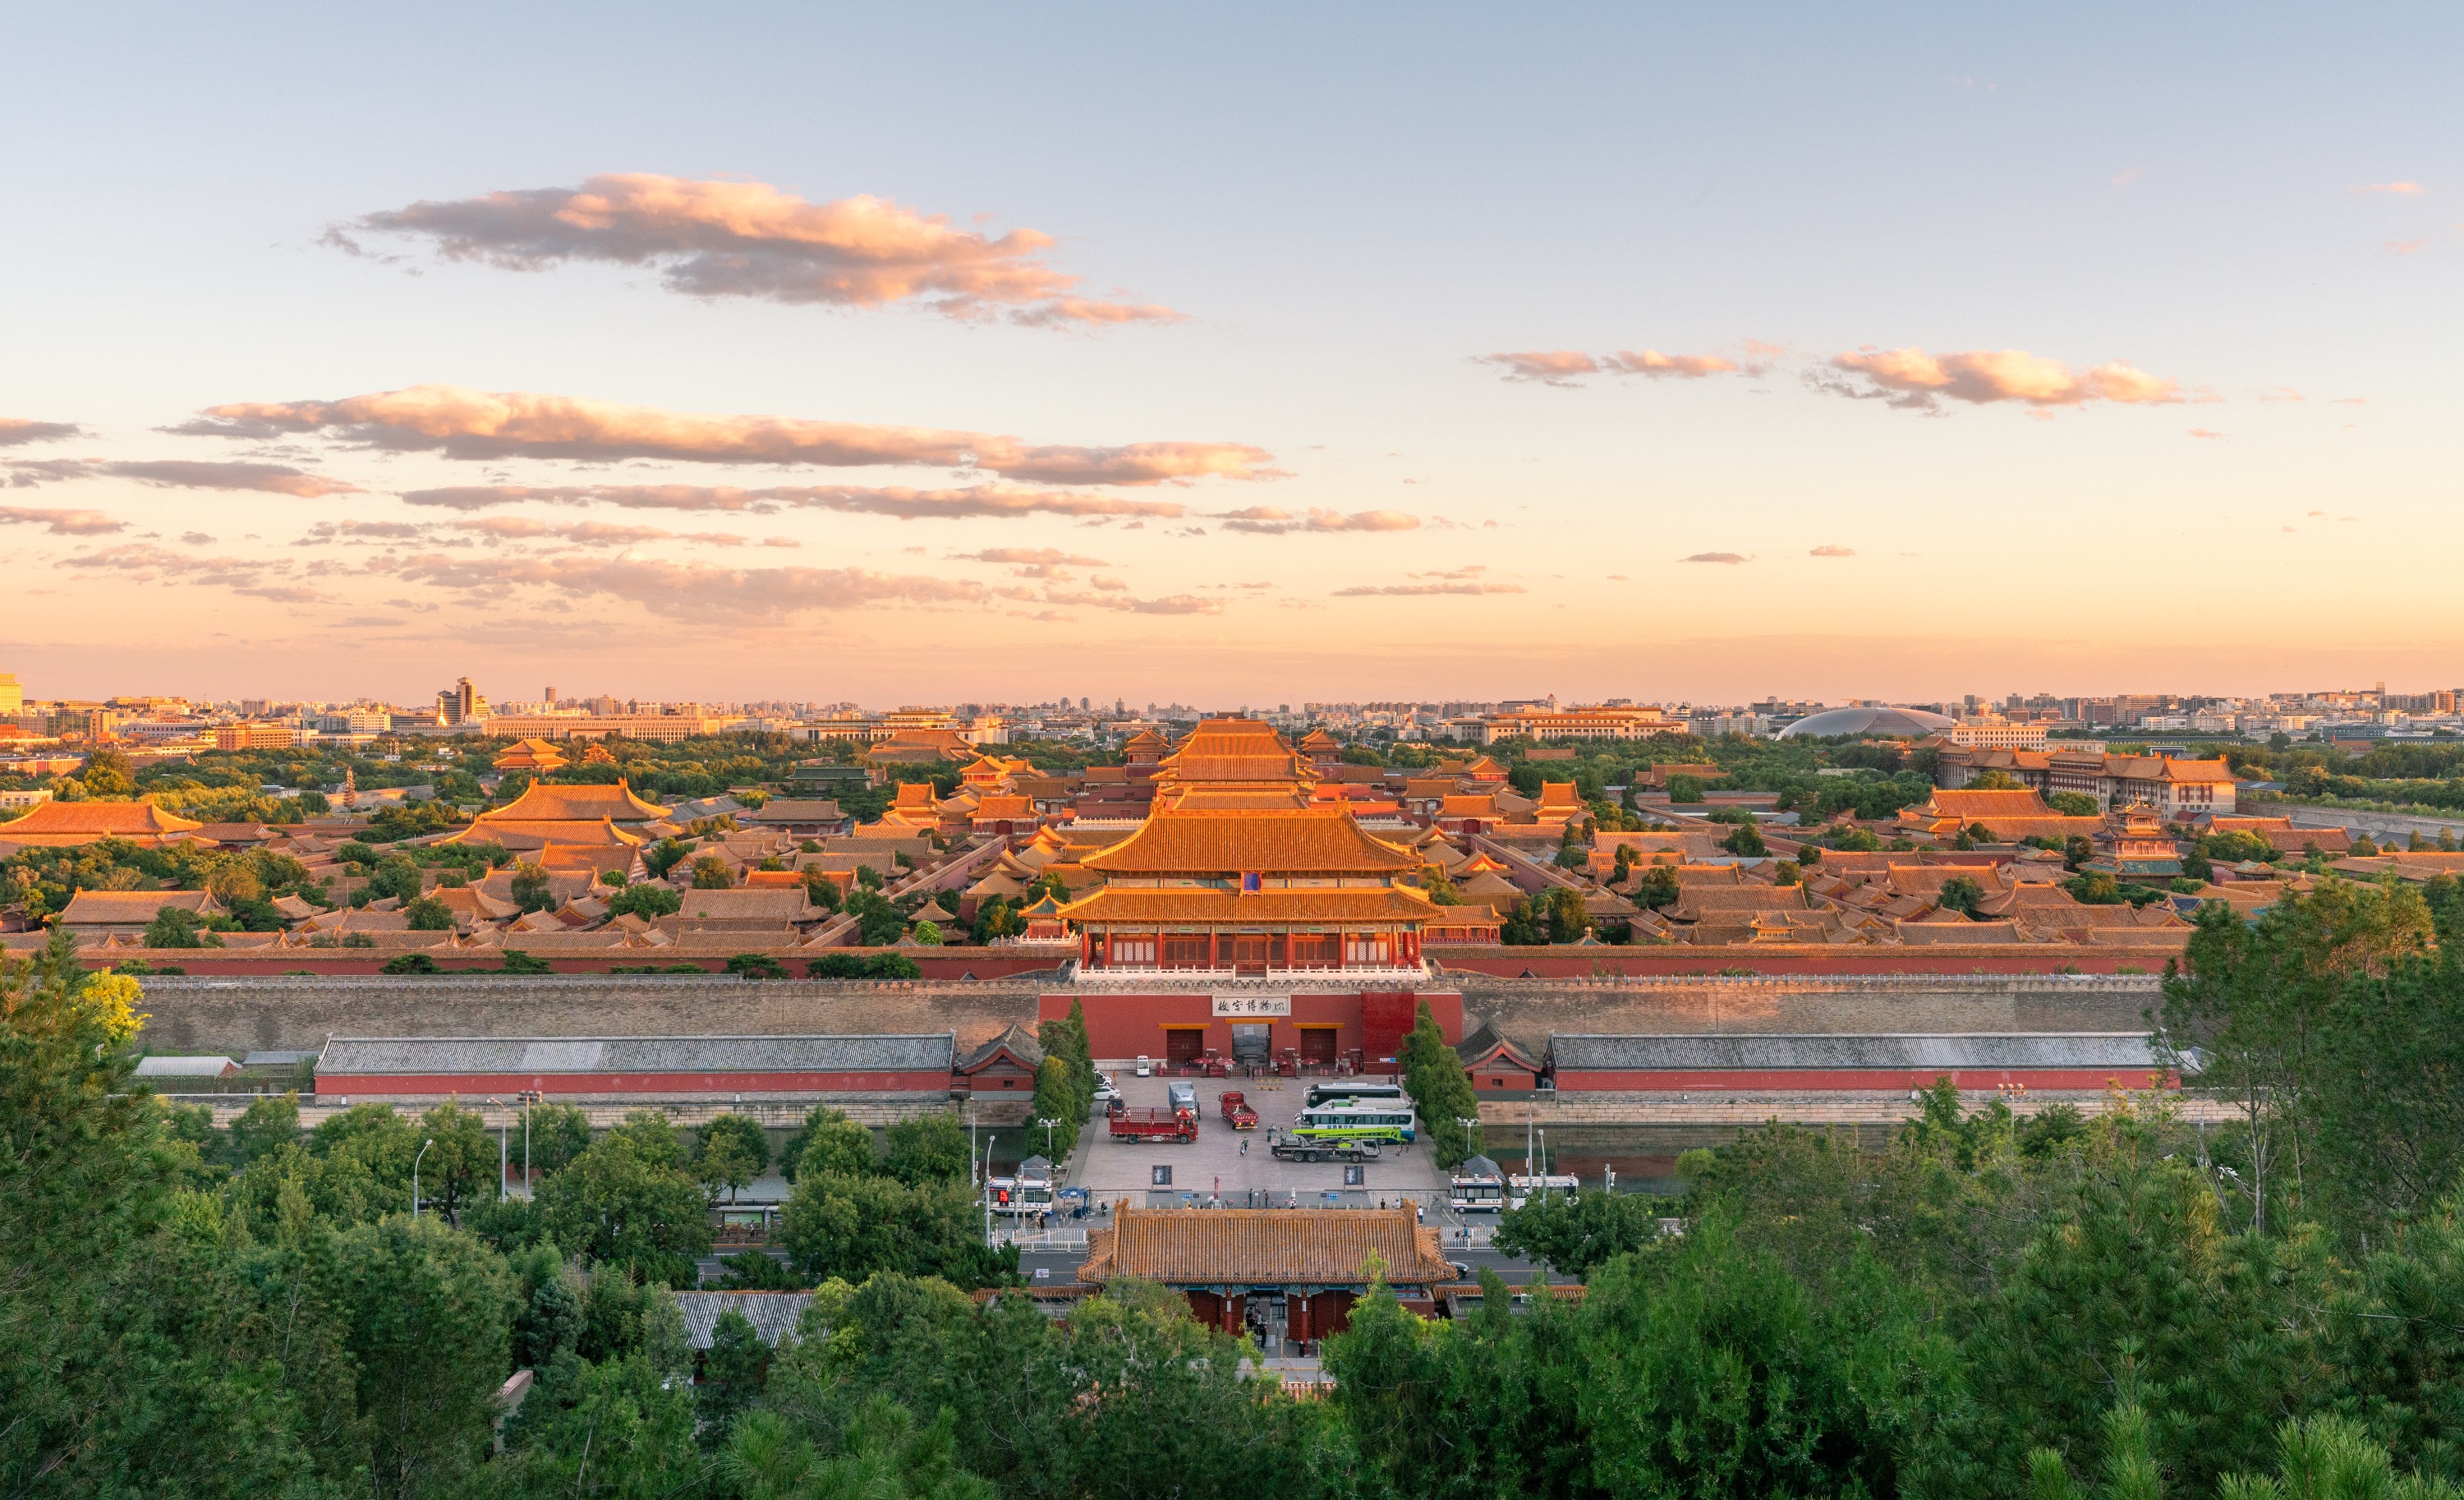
1356, 1119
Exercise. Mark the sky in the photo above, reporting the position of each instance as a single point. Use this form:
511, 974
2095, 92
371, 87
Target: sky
1229, 355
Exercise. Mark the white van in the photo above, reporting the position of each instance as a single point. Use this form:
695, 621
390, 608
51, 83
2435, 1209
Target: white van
1145, 1066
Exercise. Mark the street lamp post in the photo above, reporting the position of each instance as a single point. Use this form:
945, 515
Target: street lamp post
1047, 1135
1468, 1126
504, 1148
415, 1179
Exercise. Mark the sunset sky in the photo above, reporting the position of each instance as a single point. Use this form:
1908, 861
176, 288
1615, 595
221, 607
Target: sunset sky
1234, 356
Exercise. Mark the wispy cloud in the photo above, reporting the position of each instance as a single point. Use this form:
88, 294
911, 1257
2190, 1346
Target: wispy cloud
1568, 367
2406, 247
2206, 432
472, 424
964, 502
2402, 189
1912, 378
1828, 551
1049, 557
15, 430
682, 590
1728, 559
1268, 521
181, 474
1411, 590
61, 523
751, 239
146, 562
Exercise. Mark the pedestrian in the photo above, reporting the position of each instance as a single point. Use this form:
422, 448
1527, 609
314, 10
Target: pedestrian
1244, 1145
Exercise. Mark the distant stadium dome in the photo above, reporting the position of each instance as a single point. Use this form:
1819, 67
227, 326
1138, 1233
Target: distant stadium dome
1912, 723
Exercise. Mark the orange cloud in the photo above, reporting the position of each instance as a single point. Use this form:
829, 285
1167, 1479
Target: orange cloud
60, 522
1729, 559
1832, 552
1912, 378
1267, 521
2401, 190
15, 430
2201, 432
473, 424
186, 475
750, 239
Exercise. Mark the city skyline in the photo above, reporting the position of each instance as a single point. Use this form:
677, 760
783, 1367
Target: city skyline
1226, 365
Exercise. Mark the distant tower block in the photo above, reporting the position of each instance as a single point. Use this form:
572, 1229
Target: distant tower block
550, 695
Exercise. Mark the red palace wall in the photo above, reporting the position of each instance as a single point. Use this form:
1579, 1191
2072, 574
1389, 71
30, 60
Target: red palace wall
1792, 1080
1122, 1025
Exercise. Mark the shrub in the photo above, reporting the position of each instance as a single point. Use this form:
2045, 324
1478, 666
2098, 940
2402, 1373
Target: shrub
757, 966
409, 963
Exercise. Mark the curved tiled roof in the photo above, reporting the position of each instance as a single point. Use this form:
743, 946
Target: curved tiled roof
543, 803
376, 1056
1170, 904
1272, 1246
1234, 750
47, 821
1298, 841
1697, 1051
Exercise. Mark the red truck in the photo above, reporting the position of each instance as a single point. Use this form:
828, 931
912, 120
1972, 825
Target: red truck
1130, 1124
1237, 1110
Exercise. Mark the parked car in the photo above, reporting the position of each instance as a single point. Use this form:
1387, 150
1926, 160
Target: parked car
1108, 1092
1145, 1067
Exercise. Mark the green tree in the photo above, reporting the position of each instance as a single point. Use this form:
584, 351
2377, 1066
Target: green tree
851, 1228
2072, 804
1961, 893
2259, 1004
646, 901
829, 1141
729, 1153
428, 1314
409, 963
927, 1148
710, 873
559, 1133
461, 1166
1745, 843
663, 856
732, 1374
530, 889
1576, 1233
628, 1200
1684, 789
1440, 1089
429, 915
175, 928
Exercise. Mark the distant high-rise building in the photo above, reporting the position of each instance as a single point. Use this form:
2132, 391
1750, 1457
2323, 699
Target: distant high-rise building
12, 698
550, 695
461, 703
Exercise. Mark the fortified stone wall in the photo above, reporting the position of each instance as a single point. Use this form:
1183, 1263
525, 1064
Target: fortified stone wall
298, 1013
274, 1012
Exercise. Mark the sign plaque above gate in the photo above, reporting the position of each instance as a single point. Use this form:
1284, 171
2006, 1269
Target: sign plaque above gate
1237, 1005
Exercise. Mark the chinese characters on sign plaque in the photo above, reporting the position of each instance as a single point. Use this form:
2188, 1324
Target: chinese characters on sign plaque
1253, 1005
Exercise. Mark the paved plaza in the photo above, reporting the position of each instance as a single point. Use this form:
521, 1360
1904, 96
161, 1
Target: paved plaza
1215, 1167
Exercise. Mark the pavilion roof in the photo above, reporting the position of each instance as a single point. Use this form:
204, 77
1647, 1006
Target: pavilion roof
1272, 1246
1198, 904
1298, 840
78, 822
545, 803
